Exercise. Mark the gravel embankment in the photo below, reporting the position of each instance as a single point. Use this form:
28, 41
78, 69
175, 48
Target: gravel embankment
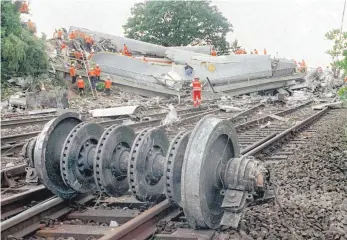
311, 190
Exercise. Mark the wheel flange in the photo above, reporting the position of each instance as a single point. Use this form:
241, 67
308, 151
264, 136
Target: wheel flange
111, 160
147, 157
47, 153
77, 156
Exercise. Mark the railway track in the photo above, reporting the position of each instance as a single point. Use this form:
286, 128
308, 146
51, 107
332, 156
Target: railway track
162, 215
14, 143
164, 212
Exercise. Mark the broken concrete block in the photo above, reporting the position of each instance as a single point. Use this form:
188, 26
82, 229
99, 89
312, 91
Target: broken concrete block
282, 91
171, 117
43, 111
335, 105
227, 108
118, 111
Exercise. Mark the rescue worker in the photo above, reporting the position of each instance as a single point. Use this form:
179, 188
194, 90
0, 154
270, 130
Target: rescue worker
91, 54
303, 66
108, 85
265, 52
92, 78
213, 52
60, 34
73, 73
80, 85
196, 92
72, 35
255, 51
78, 56
24, 8
97, 72
89, 42
31, 26
252, 52
346, 79
126, 51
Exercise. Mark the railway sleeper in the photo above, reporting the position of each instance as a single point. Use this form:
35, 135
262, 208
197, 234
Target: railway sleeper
201, 171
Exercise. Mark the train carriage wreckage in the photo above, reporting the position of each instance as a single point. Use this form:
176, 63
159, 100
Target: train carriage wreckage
154, 70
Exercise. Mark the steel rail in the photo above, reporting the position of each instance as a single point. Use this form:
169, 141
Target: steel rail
261, 145
18, 146
144, 225
28, 221
268, 117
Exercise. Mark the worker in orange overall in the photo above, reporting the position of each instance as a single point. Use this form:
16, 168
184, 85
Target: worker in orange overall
92, 78
24, 8
126, 51
303, 66
97, 72
346, 79
31, 26
265, 52
108, 85
80, 85
73, 73
196, 92
213, 52
73, 35
60, 34
255, 51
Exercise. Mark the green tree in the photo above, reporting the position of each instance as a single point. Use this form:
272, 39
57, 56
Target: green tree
178, 23
338, 50
235, 46
22, 53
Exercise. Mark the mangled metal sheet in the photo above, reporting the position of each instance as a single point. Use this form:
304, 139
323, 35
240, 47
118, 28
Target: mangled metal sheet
138, 47
132, 68
222, 69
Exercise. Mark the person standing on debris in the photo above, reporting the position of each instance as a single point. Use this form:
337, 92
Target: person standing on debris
73, 73
89, 42
196, 92
91, 54
24, 8
303, 66
97, 72
80, 85
108, 85
265, 52
72, 35
60, 34
255, 51
31, 26
126, 50
92, 78
213, 52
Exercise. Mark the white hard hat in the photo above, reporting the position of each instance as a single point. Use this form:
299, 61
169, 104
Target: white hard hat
97, 65
80, 77
73, 50
108, 77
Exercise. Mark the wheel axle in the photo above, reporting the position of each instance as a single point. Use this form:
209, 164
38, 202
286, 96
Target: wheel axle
201, 171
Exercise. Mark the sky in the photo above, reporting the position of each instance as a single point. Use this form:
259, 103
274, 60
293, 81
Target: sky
292, 28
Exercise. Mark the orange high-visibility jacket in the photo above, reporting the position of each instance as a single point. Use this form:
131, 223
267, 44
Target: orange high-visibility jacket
108, 83
196, 85
72, 35
97, 71
60, 34
80, 83
24, 8
78, 55
92, 73
214, 53
72, 71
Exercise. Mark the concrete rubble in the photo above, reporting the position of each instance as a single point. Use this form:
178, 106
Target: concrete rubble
171, 117
135, 111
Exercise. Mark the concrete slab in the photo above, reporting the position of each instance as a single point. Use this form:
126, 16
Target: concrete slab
117, 111
43, 111
334, 105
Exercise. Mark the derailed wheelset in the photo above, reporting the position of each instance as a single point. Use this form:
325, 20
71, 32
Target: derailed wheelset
201, 171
